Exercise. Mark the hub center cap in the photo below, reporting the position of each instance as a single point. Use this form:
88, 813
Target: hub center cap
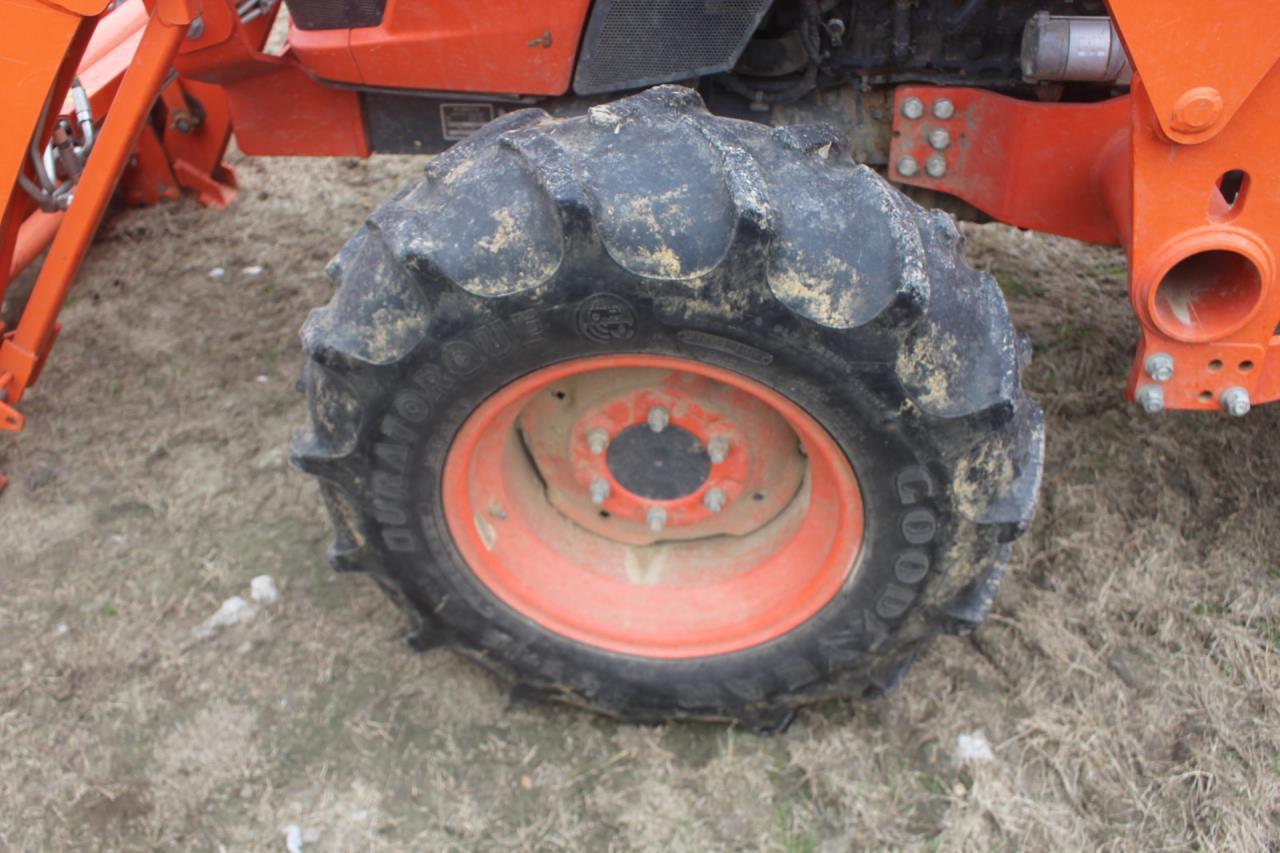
660, 466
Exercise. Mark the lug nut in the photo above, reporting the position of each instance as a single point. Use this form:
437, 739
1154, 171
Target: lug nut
936, 166
943, 109
658, 419
599, 490
718, 450
1236, 401
1159, 366
656, 518
908, 167
714, 500
597, 440
1150, 398
940, 139
912, 108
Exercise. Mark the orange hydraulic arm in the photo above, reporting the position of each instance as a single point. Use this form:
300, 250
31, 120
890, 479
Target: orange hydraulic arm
123, 62
22, 351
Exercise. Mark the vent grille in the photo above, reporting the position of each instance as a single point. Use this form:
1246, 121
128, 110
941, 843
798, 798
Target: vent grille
635, 43
335, 14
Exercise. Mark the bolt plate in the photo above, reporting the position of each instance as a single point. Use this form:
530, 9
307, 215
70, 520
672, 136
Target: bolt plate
761, 472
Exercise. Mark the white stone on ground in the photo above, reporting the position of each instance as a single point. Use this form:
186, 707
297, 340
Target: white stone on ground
262, 589
974, 748
234, 611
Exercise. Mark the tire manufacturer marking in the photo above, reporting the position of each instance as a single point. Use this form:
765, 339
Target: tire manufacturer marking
918, 525
605, 318
411, 407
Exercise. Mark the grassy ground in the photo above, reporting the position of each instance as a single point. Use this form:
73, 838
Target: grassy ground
1128, 682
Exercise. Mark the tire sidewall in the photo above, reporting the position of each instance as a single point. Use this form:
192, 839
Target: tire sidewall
476, 346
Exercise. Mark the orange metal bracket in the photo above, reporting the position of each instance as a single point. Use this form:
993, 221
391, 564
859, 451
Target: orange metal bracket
1203, 272
11, 420
1200, 60
1203, 266
1026, 163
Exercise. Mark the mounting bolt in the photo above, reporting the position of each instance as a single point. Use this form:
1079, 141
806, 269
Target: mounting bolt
1159, 366
718, 450
936, 166
599, 490
1150, 398
656, 518
1236, 401
597, 440
907, 167
1196, 110
835, 29
714, 500
658, 419
943, 109
912, 108
940, 139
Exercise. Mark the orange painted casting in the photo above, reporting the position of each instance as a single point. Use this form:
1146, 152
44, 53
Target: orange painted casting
1201, 61
674, 599
1202, 270
1180, 172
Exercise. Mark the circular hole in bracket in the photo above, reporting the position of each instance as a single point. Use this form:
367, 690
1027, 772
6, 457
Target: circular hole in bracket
1206, 396
1215, 365
1207, 295
1245, 366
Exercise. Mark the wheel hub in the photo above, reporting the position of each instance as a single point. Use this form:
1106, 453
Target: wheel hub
664, 465
652, 505
643, 456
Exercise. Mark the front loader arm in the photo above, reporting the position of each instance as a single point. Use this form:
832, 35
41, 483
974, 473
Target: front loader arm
139, 61
23, 351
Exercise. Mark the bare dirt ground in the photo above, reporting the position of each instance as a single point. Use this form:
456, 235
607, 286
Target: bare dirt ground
1128, 682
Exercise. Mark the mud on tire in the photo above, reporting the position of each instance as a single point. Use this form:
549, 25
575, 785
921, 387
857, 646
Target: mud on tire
650, 226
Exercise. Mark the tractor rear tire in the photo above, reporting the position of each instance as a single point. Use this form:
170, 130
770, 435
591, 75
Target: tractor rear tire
542, 359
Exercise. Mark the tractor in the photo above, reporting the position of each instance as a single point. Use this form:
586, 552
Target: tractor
666, 391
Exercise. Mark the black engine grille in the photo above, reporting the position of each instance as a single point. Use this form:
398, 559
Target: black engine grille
634, 43
335, 14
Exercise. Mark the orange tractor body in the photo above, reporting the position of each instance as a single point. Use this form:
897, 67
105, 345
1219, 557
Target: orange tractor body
1145, 169
1131, 122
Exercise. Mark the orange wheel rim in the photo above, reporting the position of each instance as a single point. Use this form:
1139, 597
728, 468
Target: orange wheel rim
653, 506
